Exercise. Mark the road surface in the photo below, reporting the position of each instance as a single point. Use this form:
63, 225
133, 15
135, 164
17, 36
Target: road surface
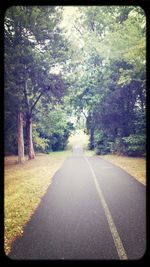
92, 210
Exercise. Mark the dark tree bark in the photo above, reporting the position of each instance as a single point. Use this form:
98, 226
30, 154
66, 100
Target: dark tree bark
90, 124
92, 138
31, 153
20, 139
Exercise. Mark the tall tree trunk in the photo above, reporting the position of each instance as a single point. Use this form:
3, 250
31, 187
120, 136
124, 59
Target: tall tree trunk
92, 138
31, 153
20, 139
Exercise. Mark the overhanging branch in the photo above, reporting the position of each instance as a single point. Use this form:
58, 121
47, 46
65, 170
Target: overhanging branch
34, 104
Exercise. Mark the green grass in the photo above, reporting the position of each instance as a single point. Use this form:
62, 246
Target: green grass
25, 185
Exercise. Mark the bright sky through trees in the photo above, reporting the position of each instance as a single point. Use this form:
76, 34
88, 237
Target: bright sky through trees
70, 15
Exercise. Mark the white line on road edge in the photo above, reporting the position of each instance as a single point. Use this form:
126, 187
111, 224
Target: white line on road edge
117, 240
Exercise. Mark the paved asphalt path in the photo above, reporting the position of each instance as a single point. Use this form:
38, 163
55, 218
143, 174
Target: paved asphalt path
90, 205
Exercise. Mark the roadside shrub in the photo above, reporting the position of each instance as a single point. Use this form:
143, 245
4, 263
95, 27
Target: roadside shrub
59, 141
119, 145
101, 143
40, 143
134, 145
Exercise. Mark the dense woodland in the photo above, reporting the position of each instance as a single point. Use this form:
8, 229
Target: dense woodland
95, 67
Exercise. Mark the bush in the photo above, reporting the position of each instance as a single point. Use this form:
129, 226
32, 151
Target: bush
40, 143
59, 141
102, 148
134, 145
101, 144
119, 145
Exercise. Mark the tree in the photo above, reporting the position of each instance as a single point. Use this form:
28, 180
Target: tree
53, 128
35, 38
20, 139
113, 92
102, 65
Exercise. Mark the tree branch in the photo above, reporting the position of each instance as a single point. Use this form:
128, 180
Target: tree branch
84, 114
34, 104
77, 29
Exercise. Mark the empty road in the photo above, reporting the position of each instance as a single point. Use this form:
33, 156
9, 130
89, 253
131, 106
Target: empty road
92, 210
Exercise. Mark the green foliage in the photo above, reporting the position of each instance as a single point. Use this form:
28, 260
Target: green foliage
53, 128
134, 145
101, 143
11, 146
112, 89
34, 45
102, 62
40, 144
10, 140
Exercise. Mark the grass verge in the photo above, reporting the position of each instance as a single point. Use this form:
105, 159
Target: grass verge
134, 166
24, 187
